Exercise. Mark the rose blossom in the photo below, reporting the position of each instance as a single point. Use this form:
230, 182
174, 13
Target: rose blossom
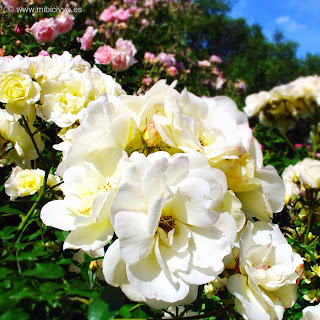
103, 54
167, 59
45, 30
215, 59
20, 28
204, 63
64, 22
148, 56
147, 81
144, 22
87, 38
43, 53
269, 271
122, 15
122, 56
170, 239
106, 15
172, 71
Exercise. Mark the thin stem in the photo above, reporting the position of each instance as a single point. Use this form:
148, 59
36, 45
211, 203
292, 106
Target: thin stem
26, 126
289, 142
310, 200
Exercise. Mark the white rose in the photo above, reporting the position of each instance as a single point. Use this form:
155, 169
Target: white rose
311, 313
269, 271
170, 239
18, 91
89, 190
105, 123
309, 173
16, 143
44, 68
64, 99
22, 183
255, 102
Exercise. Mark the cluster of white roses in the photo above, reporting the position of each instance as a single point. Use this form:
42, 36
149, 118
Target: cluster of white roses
304, 175
177, 178
284, 104
55, 88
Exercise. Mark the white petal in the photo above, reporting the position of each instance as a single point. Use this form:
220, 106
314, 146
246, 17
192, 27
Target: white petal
128, 198
153, 180
196, 203
149, 279
114, 268
91, 237
134, 238
209, 247
55, 214
272, 187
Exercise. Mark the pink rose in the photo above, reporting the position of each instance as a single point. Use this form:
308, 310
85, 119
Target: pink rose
130, 2
135, 10
166, 59
204, 63
121, 60
148, 56
122, 56
45, 30
220, 82
147, 81
121, 15
103, 55
126, 45
145, 22
20, 28
87, 38
172, 71
43, 53
106, 15
64, 22
215, 59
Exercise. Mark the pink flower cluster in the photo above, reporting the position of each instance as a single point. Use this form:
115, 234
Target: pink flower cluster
87, 39
46, 30
120, 58
112, 14
168, 60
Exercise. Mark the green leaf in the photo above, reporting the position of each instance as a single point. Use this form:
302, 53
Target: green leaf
7, 232
113, 296
4, 272
17, 313
309, 251
8, 209
99, 310
45, 271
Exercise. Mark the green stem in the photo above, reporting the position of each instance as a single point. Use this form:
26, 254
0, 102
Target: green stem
289, 142
310, 201
26, 126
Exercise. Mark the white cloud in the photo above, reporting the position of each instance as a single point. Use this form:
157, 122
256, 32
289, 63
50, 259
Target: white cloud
290, 24
282, 19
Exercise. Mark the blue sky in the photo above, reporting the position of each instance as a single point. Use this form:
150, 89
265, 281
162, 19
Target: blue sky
298, 19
